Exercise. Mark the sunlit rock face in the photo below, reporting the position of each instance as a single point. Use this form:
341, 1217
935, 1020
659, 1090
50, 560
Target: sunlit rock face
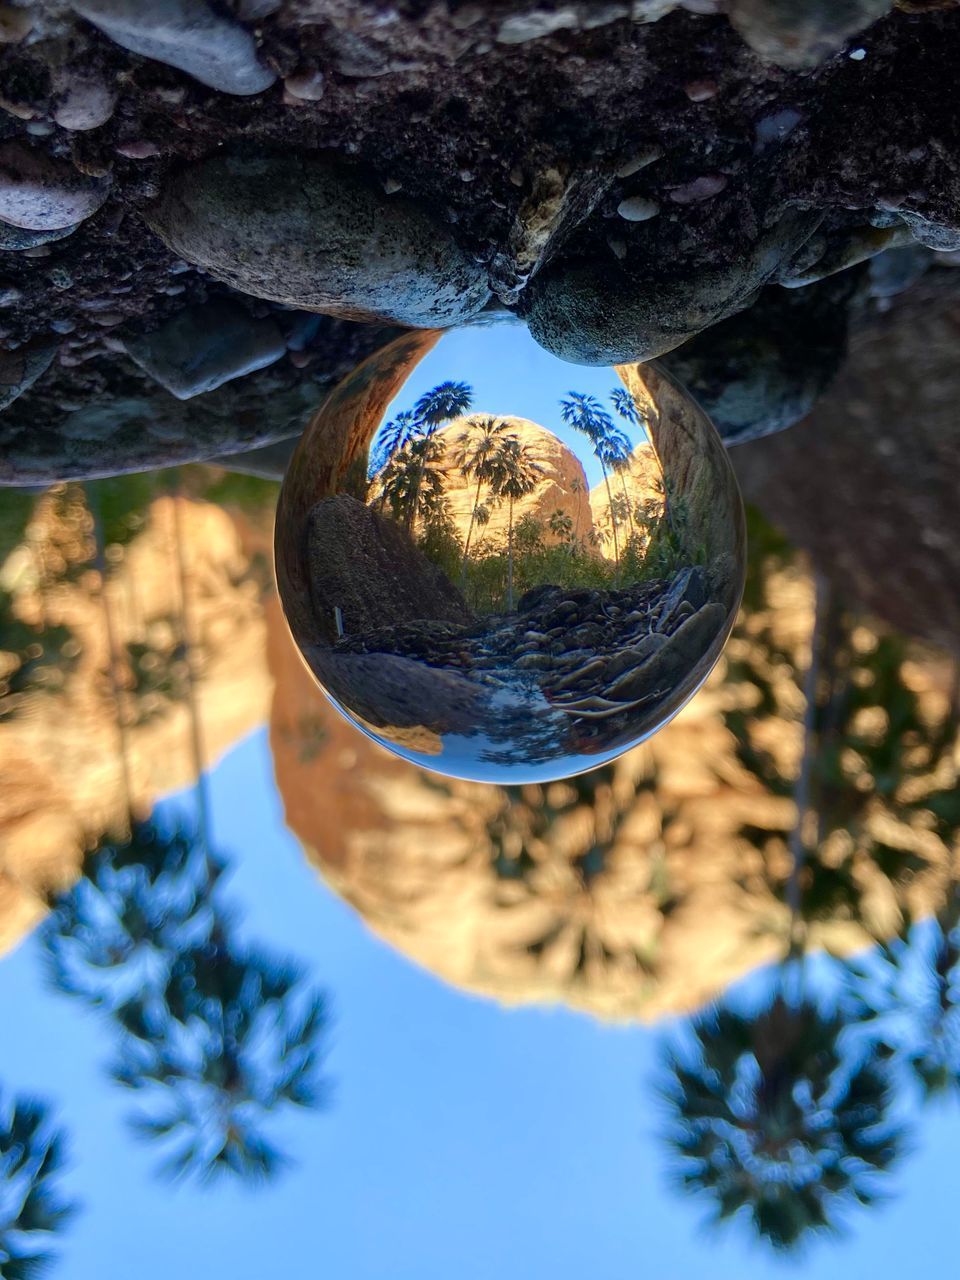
504, 568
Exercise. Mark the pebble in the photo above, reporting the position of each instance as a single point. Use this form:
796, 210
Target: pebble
10, 295
19, 239
801, 35
186, 34
138, 149
521, 27
639, 161
203, 347
295, 229
638, 209
15, 24
39, 193
86, 100
701, 90
306, 86
703, 188
20, 369
391, 186
63, 326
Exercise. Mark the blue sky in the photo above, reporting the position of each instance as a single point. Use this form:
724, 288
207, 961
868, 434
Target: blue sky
512, 375
464, 1140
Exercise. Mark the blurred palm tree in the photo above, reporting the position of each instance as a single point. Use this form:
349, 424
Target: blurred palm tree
513, 474
216, 1035
906, 995
772, 1118
32, 1208
229, 1038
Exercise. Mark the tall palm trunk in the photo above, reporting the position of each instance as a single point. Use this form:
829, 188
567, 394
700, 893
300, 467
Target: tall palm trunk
466, 545
613, 518
510, 557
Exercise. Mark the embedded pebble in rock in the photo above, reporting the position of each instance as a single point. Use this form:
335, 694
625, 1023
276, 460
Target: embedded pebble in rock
20, 369
596, 311
202, 348
802, 33
298, 230
638, 209
19, 240
932, 235
138, 149
639, 161
15, 24
39, 193
86, 101
775, 127
10, 295
306, 86
703, 188
186, 34
521, 27
701, 90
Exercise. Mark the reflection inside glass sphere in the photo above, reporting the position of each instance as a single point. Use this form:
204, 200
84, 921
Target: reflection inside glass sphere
505, 567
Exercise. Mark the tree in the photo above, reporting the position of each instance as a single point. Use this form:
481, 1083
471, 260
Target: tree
625, 405
441, 404
229, 1038
772, 1117
476, 448
32, 1208
214, 1034
394, 438
514, 474
906, 995
561, 526
586, 414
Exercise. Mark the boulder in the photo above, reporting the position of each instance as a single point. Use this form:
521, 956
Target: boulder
596, 311
298, 230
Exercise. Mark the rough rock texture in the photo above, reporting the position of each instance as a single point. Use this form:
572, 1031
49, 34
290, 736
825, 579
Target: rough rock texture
368, 567
763, 370
200, 349
106, 417
300, 231
867, 483
599, 313
514, 126
19, 370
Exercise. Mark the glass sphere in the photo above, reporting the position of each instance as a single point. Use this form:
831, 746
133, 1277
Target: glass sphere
504, 567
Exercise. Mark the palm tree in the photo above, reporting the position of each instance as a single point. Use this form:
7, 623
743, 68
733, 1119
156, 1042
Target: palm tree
906, 994
586, 414
474, 453
394, 438
231, 1037
443, 403
32, 1208
625, 405
138, 903
561, 526
514, 474
213, 1034
403, 479
771, 1117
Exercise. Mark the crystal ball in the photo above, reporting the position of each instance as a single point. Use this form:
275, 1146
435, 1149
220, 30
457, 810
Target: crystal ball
504, 567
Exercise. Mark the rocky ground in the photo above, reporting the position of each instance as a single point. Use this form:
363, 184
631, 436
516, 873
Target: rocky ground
602, 657
625, 175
